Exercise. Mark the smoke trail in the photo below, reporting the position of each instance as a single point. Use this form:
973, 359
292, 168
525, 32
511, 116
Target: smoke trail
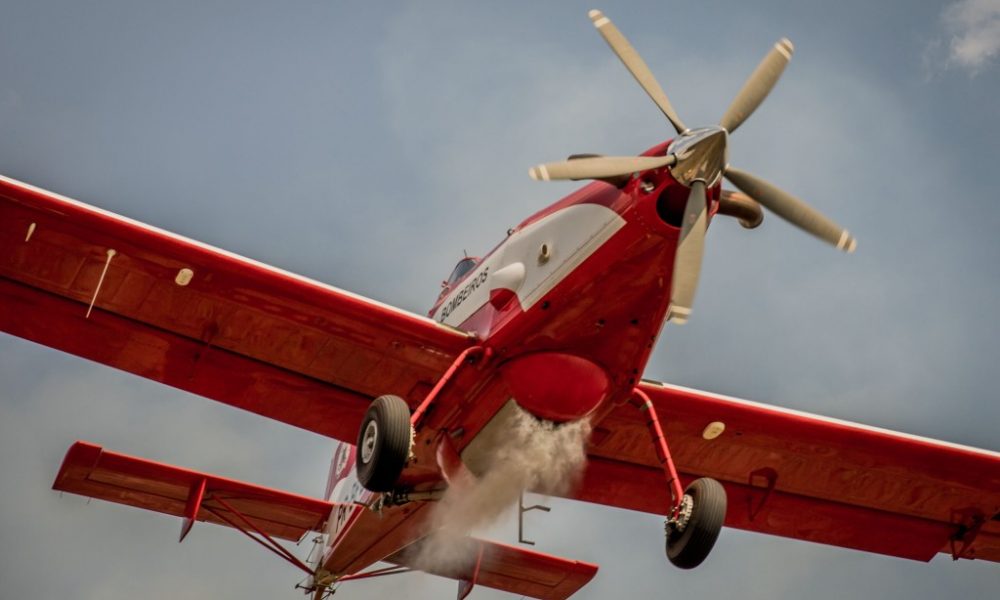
534, 455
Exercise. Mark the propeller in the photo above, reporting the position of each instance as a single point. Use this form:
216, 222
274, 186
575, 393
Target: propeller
758, 85
698, 159
636, 66
598, 167
690, 247
791, 209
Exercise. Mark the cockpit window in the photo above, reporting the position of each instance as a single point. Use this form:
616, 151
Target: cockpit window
464, 266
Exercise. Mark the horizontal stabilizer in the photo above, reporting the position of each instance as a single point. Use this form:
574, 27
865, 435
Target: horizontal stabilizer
508, 568
91, 471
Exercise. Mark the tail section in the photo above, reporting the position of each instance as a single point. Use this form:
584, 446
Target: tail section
263, 513
90, 470
507, 568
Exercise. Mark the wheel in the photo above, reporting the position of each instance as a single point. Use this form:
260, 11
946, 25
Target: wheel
384, 443
703, 510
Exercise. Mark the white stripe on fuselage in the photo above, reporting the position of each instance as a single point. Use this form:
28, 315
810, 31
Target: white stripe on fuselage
571, 234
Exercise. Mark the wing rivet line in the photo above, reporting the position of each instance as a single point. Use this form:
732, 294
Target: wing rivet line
100, 281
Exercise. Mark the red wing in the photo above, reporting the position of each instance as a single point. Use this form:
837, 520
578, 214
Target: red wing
204, 320
91, 471
807, 477
512, 569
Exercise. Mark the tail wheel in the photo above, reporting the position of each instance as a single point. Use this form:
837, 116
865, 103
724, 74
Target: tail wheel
692, 535
384, 443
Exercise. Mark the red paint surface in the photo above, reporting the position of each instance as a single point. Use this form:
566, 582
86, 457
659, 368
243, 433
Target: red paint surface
836, 483
556, 386
89, 470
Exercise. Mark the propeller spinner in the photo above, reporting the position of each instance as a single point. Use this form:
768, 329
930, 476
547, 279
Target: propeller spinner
698, 159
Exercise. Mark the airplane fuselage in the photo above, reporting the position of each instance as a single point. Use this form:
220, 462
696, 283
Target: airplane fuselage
589, 278
569, 307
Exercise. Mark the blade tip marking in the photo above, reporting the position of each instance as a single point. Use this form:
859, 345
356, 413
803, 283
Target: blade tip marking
786, 47
679, 314
847, 243
598, 18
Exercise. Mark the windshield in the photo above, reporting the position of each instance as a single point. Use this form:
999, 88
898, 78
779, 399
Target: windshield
464, 266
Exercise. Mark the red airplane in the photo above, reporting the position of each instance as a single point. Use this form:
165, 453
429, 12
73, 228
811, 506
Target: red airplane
557, 322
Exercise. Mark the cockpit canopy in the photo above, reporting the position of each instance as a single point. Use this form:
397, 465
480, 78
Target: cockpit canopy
461, 269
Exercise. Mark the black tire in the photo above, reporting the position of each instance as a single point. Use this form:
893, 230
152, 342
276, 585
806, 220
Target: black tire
383, 443
688, 548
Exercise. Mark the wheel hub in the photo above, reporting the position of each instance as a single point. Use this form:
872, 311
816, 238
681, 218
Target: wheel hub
368, 441
679, 521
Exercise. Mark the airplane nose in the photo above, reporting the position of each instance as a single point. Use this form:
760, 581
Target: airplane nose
701, 156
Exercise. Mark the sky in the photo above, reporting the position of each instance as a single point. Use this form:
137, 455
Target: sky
368, 145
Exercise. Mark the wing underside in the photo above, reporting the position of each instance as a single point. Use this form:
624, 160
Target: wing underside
104, 287
806, 477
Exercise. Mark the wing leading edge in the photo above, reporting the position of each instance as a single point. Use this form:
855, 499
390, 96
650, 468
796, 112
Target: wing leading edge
806, 477
204, 320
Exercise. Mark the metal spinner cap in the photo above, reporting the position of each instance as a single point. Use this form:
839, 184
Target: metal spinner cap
702, 155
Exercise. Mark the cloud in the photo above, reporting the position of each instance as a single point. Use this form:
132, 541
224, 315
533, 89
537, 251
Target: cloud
974, 26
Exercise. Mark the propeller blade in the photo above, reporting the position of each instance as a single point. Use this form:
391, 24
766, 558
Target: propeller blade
690, 247
634, 63
758, 85
791, 209
598, 167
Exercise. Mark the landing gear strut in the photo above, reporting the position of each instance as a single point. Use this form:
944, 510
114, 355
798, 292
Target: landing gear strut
696, 513
384, 443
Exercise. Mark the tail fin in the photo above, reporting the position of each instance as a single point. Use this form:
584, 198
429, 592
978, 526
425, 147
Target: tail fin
341, 466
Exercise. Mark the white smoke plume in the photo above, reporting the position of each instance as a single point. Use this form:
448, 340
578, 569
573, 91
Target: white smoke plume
529, 455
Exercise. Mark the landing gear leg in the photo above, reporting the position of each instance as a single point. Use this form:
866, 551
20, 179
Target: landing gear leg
696, 514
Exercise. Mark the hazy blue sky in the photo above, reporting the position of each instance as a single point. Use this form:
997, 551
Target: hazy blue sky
366, 144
